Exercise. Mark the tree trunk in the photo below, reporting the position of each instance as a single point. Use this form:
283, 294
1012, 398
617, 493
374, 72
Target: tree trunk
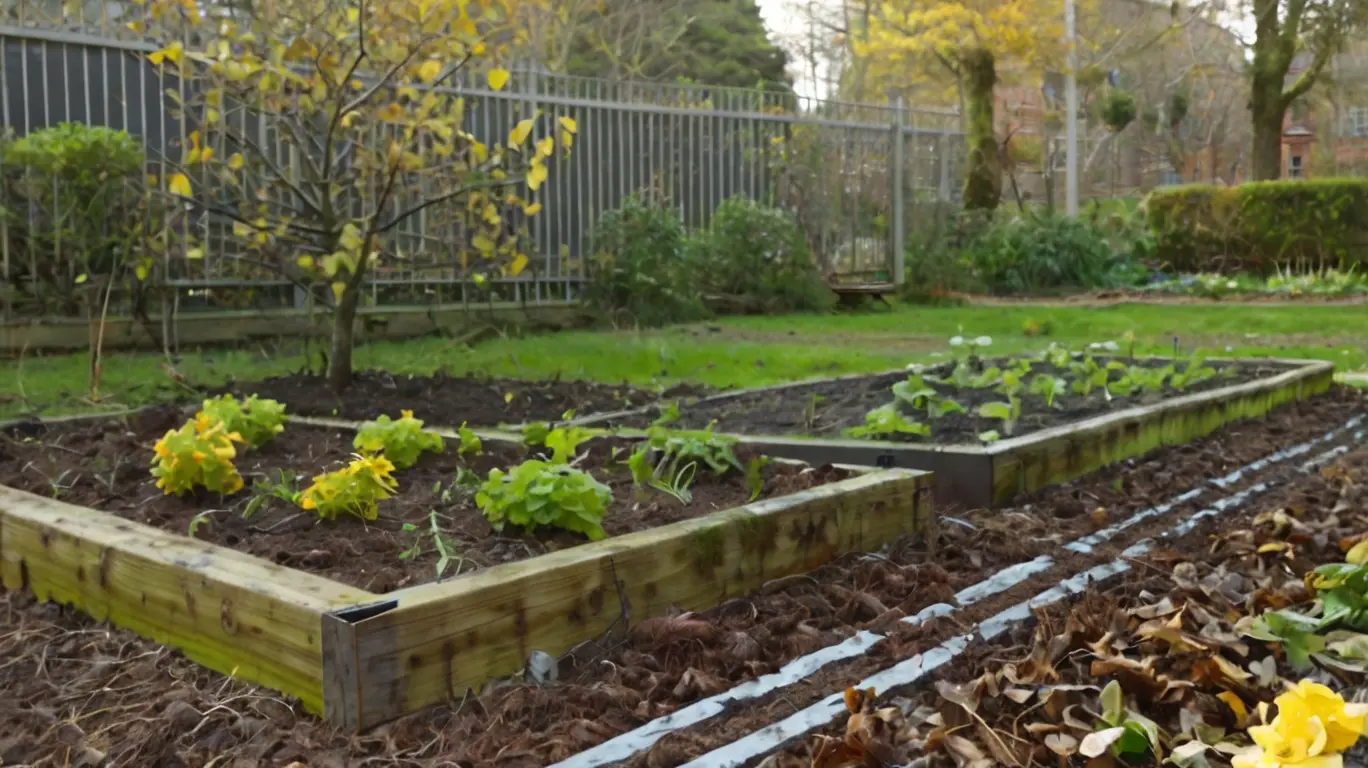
983, 187
1266, 114
343, 339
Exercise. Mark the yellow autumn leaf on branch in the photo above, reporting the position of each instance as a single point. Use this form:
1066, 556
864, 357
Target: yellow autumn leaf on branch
497, 78
546, 146
533, 209
429, 70
173, 53
518, 264
536, 175
236, 161
569, 125
518, 136
483, 244
178, 184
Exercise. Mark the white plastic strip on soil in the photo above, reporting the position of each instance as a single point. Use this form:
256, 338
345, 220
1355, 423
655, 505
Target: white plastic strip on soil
625, 745
913, 669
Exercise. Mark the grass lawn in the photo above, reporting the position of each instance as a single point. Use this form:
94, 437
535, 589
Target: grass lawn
745, 351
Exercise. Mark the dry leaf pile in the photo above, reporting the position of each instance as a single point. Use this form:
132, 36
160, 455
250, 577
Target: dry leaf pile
1171, 667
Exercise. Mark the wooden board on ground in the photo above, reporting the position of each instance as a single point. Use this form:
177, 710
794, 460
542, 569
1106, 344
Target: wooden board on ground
231, 612
432, 643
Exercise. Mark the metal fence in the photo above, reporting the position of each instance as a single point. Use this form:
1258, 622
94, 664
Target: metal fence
857, 177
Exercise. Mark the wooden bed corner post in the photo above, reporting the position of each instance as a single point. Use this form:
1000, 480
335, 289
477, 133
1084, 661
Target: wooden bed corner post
343, 705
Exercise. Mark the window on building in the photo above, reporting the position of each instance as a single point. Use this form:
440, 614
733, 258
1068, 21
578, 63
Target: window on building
1294, 167
1358, 121
1169, 178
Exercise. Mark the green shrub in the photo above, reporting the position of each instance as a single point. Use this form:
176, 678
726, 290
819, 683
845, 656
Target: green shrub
754, 258
74, 198
639, 273
1042, 252
1262, 226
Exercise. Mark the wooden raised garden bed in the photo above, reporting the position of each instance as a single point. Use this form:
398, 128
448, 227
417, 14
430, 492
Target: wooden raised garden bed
351, 617
847, 420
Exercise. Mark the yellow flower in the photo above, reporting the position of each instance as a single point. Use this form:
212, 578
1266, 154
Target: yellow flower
1288, 743
1343, 722
406, 414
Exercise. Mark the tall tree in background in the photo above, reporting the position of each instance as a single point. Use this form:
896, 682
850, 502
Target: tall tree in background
969, 39
716, 42
1284, 29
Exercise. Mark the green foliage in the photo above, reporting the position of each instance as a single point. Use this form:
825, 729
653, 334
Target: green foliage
1048, 387
356, 489
640, 274
565, 441
446, 549
887, 421
538, 493
1117, 109
1260, 227
723, 42
75, 202
256, 419
1041, 252
471, 445
1008, 413
755, 257
668, 460
402, 440
916, 393
199, 454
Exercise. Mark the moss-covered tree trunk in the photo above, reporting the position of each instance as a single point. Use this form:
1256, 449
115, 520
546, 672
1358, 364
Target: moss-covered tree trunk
343, 339
983, 187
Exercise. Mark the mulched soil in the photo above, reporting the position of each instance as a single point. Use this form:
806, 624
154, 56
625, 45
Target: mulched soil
827, 408
143, 706
451, 400
103, 465
1170, 632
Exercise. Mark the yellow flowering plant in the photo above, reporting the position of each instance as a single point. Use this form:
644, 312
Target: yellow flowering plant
256, 419
1313, 727
200, 453
356, 489
402, 440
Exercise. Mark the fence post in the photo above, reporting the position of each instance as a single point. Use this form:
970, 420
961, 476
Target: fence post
899, 209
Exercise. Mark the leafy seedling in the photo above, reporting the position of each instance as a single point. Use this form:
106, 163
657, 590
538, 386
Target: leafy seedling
1008, 413
1049, 388
401, 440
887, 421
285, 487
446, 549
755, 476
538, 494
669, 414
1129, 735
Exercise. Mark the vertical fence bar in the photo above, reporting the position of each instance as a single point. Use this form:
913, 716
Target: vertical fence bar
895, 178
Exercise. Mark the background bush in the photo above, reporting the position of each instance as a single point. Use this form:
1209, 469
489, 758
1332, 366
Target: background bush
754, 258
74, 200
639, 274
1045, 252
1261, 227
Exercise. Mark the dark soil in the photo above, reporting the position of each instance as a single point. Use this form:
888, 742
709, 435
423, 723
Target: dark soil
827, 408
105, 466
144, 706
451, 400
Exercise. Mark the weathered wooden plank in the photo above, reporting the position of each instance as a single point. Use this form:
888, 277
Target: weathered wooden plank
231, 612
439, 640
1060, 454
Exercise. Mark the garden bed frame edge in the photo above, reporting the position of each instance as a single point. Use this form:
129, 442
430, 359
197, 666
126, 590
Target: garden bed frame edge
359, 658
991, 475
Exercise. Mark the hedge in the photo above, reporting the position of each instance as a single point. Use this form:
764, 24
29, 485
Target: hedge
1261, 226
